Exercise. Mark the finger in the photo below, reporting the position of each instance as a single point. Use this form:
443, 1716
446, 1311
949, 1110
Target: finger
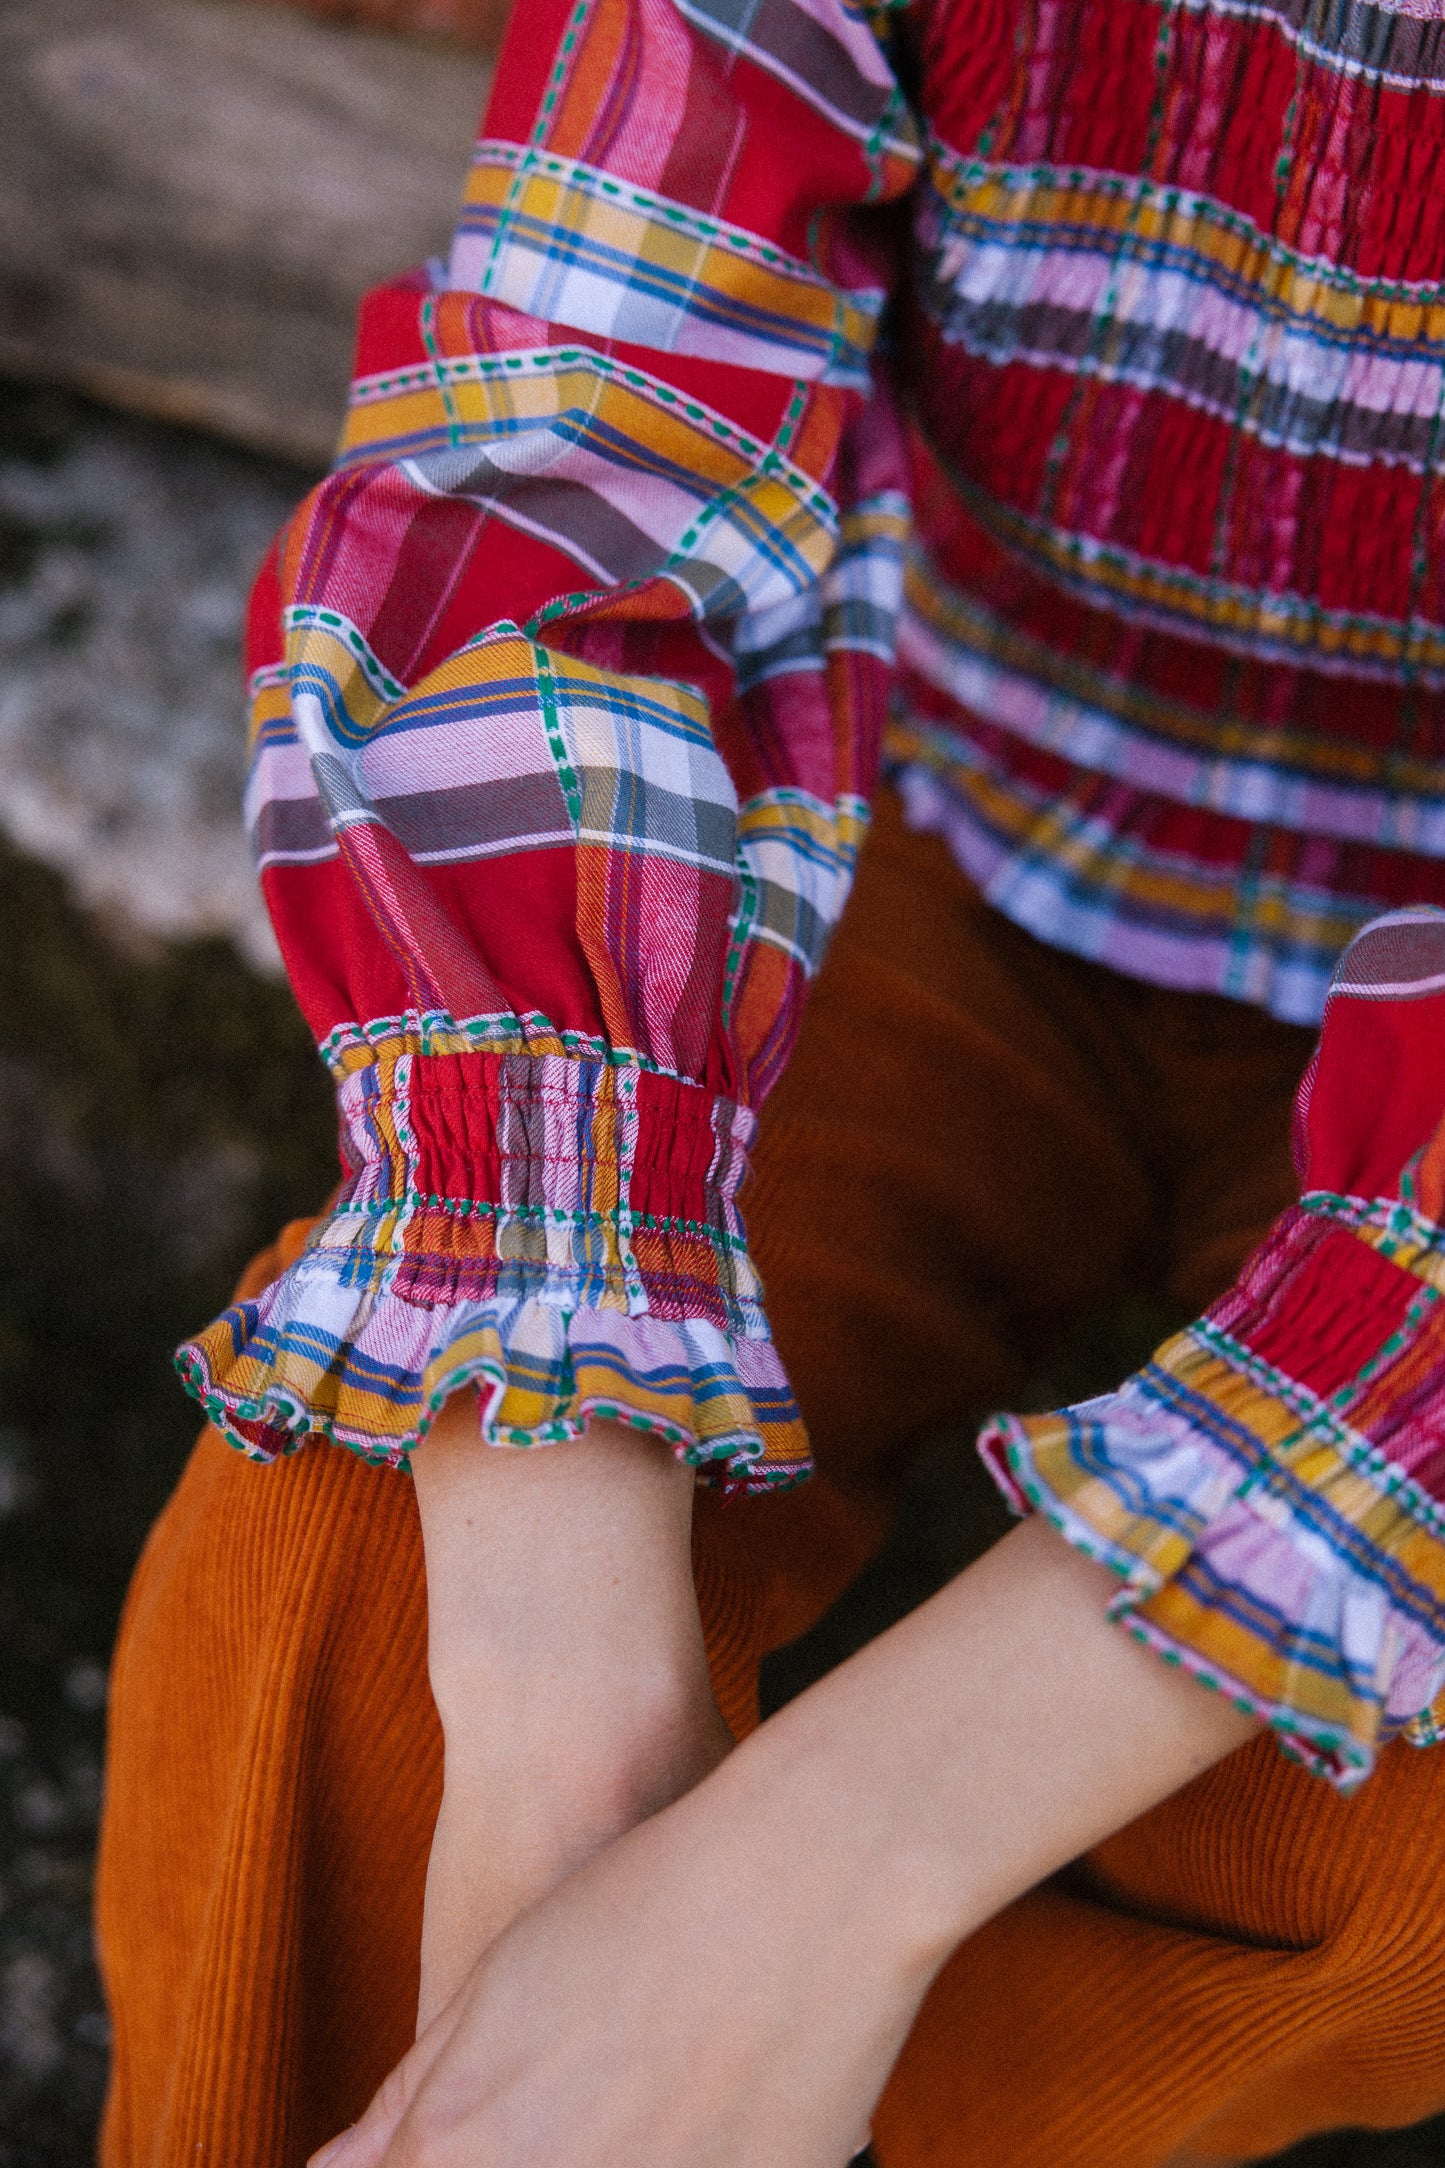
364, 2144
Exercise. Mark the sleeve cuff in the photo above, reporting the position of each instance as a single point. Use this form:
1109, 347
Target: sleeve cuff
1246, 1487
560, 1231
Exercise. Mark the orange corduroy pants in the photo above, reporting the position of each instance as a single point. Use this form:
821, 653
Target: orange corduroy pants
979, 1141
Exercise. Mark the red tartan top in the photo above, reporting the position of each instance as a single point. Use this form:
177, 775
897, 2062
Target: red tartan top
572, 681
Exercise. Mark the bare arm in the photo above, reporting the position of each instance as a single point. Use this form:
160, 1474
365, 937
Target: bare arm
729, 1985
566, 1659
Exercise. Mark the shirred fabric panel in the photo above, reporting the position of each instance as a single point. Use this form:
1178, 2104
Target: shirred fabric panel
1269, 1485
567, 689
1175, 324
563, 1233
1176, 893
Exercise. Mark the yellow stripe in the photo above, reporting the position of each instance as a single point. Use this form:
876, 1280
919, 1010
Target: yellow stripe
1336, 303
959, 621
564, 200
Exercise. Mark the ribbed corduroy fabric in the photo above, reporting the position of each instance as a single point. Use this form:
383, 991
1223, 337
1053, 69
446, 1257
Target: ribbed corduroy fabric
274, 1772
978, 1140
1255, 1960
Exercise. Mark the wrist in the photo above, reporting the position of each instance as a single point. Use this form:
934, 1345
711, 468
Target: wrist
845, 1895
975, 1748
565, 1649
527, 1801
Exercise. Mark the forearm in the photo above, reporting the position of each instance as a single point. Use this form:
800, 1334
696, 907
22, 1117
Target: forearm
566, 1660
990, 1737
734, 1979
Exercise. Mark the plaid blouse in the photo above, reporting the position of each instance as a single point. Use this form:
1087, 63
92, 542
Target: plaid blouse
1042, 401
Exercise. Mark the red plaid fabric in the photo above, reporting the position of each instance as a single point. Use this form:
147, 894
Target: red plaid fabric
572, 681
568, 687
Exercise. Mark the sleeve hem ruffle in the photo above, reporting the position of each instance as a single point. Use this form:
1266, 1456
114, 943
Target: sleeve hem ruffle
1264, 1545
541, 1370
561, 1233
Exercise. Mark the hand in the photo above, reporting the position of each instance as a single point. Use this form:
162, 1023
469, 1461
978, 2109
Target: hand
728, 1985
692, 1998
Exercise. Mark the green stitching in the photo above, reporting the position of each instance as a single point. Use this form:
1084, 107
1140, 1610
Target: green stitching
588, 179
558, 76
965, 173
514, 1036
1324, 1420
544, 361
1393, 1216
582, 1219
742, 1450
742, 931
301, 616
1077, 555
426, 319
556, 739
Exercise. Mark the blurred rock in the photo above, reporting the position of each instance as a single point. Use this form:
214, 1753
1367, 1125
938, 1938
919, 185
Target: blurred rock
193, 194
29, 2002
126, 552
160, 1114
475, 23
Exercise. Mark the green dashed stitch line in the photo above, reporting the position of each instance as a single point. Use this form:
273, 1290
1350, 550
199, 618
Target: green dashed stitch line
1326, 1420
556, 739
542, 1215
886, 134
1390, 1214
1284, 162
677, 215
426, 318
741, 935
502, 1029
367, 390
787, 433
548, 361
300, 616
558, 76
1322, 1741
1163, 50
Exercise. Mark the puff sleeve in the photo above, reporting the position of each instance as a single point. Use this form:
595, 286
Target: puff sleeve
567, 685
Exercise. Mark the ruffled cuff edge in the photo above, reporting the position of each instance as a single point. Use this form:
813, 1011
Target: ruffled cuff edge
1196, 1565
314, 1357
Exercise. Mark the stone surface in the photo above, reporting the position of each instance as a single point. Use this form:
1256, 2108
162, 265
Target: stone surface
125, 557
193, 194
475, 23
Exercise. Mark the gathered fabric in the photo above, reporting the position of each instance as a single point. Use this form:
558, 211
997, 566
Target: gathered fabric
496, 1232
1030, 1137
1043, 409
1267, 1486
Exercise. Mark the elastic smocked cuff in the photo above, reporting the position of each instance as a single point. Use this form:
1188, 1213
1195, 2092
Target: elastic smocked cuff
560, 1231
1252, 1488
